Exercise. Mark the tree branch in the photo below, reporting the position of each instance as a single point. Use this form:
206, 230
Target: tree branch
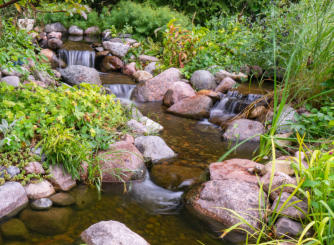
8, 3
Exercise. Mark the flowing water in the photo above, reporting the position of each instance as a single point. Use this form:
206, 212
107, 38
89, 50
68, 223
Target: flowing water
153, 208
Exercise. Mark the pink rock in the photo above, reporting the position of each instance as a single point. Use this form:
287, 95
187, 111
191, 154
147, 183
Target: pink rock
61, 180
177, 92
39, 190
225, 85
234, 169
34, 168
122, 162
111, 63
129, 69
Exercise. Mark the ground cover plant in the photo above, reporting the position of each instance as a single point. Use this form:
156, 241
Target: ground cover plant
70, 124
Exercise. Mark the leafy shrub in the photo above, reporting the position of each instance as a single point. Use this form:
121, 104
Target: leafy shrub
70, 124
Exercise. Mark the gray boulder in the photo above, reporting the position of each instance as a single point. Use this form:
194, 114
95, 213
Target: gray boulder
154, 148
118, 49
203, 79
151, 67
287, 227
242, 129
13, 199
13, 171
111, 233
55, 27
77, 74
75, 31
92, 31
294, 209
41, 204
11, 80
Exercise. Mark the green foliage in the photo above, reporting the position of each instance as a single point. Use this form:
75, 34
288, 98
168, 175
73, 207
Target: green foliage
70, 124
319, 123
17, 49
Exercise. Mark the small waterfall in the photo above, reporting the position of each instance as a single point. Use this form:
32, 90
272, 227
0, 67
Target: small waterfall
122, 91
78, 57
230, 105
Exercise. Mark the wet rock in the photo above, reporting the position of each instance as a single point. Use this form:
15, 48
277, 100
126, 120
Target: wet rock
93, 31
294, 209
154, 148
213, 199
177, 92
278, 180
242, 129
151, 67
122, 162
13, 171
155, 88
13, 199
172, 176
76, 74
61, 180
286, 119
236, 169
118, 49
14, 229
34, 168
75, 31
49, 222
41, 204
196, 107
203, 79
55, 43
288, 228
225, 85
146, 58
39, 190
62, 199
130, 69
257, 112
84, 196
55, 27
111, 232
11, 80
142, 76
222, 74
111, 63
54, 34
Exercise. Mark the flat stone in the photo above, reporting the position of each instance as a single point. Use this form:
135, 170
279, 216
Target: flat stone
288, 228
154, 148
295, 211
41, 204
50, 222
13, 199
111, 232
39, 190
61, 180
14, 229
62, 199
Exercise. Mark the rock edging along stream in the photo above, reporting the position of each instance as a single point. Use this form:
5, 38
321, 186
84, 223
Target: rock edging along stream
183, 100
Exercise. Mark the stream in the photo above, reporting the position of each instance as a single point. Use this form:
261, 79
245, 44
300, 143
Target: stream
153, 208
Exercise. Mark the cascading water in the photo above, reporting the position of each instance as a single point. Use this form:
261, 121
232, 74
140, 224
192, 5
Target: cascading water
230, 105
122, 91
78, 57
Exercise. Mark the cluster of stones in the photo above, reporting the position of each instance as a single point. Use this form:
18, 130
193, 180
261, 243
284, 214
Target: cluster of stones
242, 186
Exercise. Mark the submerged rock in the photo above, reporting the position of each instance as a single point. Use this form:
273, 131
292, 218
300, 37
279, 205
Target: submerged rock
154, 148
242, 129
155, 88
13, 199
111, 232
84, 196
203, 79
76, 74
196, 107
14, 229
62, 199
50, 222
214, 200
122, 162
